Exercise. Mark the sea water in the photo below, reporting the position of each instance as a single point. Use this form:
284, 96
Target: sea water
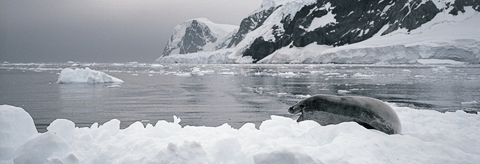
211, 95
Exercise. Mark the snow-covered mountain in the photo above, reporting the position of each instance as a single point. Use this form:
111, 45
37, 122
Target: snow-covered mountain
198, 35
368, 32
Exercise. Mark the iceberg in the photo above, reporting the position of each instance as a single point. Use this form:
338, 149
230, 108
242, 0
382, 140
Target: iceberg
428, 137
87, 75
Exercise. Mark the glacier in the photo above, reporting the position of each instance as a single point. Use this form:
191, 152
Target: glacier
450, 34
449, 37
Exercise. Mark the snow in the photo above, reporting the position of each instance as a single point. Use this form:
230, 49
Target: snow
12, 119
85, 75
428, 137
219, 29
273, 3
322, 21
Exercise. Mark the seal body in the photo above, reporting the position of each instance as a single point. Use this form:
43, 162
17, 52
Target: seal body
329, 109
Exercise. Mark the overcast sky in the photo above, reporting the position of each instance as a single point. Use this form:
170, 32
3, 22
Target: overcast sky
102, 30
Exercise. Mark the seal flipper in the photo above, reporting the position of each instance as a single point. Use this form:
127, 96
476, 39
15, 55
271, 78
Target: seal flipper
368, 126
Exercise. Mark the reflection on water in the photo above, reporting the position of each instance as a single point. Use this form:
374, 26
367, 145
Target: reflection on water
210, 95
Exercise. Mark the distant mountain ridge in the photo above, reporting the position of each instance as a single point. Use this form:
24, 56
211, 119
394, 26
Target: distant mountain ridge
197, 35
332, 31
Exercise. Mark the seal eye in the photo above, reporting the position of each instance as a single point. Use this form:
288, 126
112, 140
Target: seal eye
301, 106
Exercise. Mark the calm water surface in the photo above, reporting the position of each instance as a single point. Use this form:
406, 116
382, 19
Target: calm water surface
233, 94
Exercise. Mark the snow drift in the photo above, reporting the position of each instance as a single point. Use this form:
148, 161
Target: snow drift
428, 137
87, 75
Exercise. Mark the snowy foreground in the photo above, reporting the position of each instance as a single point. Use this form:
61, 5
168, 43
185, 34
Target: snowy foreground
428, 137
86, 75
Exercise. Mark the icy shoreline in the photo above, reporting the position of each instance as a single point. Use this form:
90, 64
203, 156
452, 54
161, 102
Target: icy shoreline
428, 137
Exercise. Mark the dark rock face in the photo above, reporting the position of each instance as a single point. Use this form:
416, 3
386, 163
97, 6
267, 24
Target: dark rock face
196, 36
356, 21
250, 23
459, 5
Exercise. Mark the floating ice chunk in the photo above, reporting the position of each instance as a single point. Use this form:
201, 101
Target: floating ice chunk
197, 71
156, 65
281, 94
287, 74
316, 72
303, 96
86, 75
183, 74
118, 64
360, 75
208, 71
332, 74
470, 103
227, 73
344, 91
259, 73
440, 69
114, 86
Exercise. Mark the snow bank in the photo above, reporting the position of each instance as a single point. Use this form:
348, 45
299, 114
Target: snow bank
79, 75
428, 137
16, 126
